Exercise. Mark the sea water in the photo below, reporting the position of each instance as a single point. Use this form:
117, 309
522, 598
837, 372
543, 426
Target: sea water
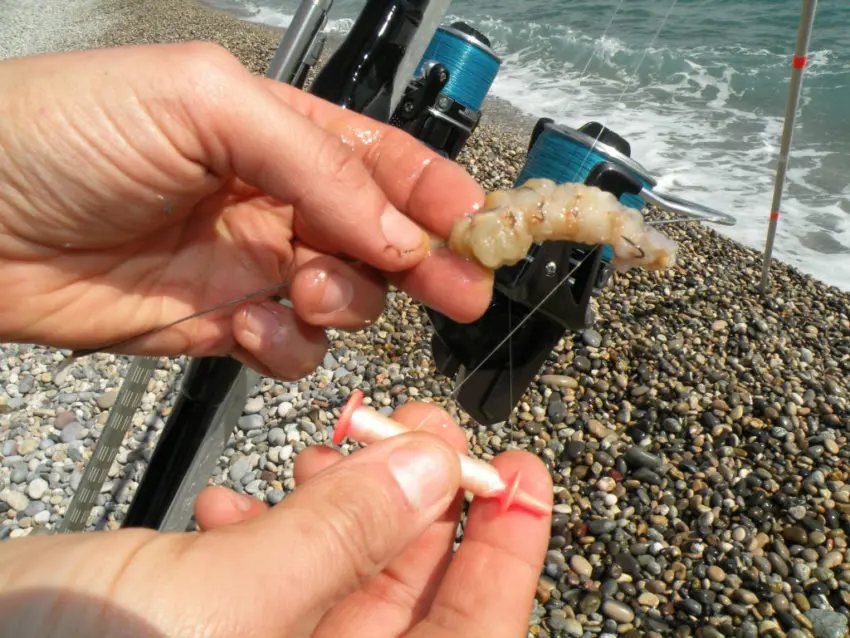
698, 88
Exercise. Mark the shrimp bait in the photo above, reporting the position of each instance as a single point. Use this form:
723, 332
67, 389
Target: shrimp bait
502, 233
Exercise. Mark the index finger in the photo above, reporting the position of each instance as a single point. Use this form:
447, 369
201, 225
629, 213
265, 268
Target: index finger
432, 190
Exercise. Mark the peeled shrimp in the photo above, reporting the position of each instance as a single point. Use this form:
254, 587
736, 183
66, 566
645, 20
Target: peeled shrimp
502, 233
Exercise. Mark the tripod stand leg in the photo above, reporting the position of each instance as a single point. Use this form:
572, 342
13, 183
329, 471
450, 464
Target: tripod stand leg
181, 510
211, 399
119, 422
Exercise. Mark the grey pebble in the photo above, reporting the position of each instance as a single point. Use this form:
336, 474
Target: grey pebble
827, 624
239, 470
19, 473
253, 405
250, 422
275, 496
71, 432
618, 611
37, 488
277, 437
106, 400
601, 526
592, 338
639, 458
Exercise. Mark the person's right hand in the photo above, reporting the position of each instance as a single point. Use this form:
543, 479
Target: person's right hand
361, 549
141, 185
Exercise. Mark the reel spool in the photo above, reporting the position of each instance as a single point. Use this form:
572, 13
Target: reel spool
442, 104
563, 155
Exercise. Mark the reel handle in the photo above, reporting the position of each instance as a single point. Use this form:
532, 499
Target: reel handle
628, 183
677, 205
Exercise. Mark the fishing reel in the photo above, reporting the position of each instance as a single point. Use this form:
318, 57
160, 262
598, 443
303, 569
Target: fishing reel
441, 106
495, 358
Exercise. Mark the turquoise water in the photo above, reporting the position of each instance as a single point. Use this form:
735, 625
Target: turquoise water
698, 87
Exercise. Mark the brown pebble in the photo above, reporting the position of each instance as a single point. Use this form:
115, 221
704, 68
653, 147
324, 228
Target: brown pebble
648, 599
746, 596
832, 559
581, 566
544, 589
716, 574
802, 602
780, 603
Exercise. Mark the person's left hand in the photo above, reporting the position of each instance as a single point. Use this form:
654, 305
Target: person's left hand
361, 549
144, 184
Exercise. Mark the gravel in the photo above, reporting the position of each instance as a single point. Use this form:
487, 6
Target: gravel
697, 434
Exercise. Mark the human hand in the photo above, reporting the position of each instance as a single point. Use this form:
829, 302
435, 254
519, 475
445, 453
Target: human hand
143, 184
361, 548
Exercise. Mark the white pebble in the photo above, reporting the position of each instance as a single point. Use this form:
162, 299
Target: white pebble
18, 501
606, 484
37, 488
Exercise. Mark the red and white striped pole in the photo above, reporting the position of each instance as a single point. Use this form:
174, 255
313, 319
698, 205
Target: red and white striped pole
801, 53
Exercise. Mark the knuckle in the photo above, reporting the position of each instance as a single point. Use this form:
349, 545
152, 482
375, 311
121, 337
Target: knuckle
207, 53
206, 66
338, 162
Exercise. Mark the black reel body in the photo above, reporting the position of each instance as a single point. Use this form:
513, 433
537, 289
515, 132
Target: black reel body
442, 104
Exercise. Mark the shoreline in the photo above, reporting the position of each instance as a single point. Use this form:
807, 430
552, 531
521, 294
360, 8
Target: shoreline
698, 435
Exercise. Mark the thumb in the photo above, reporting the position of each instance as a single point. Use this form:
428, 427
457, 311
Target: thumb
347, 523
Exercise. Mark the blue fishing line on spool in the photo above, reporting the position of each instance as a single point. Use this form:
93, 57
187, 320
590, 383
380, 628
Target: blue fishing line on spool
472, 69
562, 159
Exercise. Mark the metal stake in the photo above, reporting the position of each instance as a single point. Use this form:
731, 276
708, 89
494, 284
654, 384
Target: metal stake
804, 34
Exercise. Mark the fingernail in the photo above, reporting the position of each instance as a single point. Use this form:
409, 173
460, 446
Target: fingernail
400, 231
263, 323
422, 472
337, 295
240, 501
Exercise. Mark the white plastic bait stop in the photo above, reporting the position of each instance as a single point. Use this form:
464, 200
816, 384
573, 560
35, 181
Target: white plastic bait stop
366, 425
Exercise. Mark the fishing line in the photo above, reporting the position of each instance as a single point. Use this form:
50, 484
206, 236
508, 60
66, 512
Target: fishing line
76, 354
566, 277
537, 307
604, 33
632, 77
511, 367
510, 301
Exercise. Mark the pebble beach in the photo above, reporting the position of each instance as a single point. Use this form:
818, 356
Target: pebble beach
697, 433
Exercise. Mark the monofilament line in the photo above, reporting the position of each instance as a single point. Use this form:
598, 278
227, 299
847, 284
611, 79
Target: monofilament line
604, 33
510, 302
631, 78
516, 328
123, 342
